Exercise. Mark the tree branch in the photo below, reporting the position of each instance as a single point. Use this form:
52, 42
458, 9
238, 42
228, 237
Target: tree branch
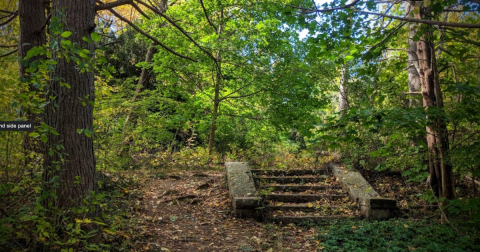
14, 15
140, 10
107, 6
206, 15
458, 37
423, 21
386, 38
8, 46
9, 12
241, 96
227, 96
309, 11
149, 36
113, 42
9, 53
184, 33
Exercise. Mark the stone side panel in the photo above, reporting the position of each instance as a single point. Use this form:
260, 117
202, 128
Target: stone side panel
241, 187
371, 204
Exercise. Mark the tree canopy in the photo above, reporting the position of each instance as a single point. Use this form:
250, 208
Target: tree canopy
117, 85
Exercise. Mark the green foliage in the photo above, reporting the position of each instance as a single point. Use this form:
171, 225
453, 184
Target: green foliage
398, 235
36, 227
469, 207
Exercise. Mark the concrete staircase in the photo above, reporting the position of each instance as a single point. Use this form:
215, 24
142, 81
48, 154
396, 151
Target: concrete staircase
295, 196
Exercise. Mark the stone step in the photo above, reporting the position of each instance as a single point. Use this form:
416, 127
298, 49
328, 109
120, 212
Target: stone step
307, 219
290, 179
298, 188
302, 198
289, 172
293, 208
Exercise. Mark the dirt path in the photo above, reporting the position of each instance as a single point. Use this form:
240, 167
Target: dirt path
191, 211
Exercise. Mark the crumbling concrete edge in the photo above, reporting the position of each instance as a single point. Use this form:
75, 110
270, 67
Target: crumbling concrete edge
371, 204
243, 194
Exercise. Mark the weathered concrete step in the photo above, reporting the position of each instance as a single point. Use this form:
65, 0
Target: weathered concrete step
294, 208
298, 188
289, 172
306, 219
302, 198
290, 179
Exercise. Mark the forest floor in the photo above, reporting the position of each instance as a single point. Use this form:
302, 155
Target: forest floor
191, 211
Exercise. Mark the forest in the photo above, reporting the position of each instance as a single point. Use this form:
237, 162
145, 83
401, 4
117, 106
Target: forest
137, 106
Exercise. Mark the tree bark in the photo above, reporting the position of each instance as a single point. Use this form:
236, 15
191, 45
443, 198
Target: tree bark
441, 172
414, 85
32, 18
32, 33
66, 113
216, 99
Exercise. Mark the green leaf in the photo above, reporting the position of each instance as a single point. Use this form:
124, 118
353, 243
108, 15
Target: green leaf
348, 58
96, 37
44, 138
64, 84
34, 134
87, 40
79, 131
88, 133
51, 152
66, 34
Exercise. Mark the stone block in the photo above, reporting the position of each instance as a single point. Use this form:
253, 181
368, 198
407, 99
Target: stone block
372, 205
381, 203
246, 202
377, 214
240, 179
243, 193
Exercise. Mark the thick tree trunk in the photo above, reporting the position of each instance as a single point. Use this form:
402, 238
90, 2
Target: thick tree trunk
32, 18
216, 99
441, 173
66, 113
32, 33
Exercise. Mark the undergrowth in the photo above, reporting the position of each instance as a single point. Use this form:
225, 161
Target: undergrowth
399, 235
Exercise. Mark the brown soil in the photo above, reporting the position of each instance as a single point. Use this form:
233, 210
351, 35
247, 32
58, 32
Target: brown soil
191, 212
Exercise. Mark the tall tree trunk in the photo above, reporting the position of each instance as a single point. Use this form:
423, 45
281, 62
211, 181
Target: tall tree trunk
32, 18
218, 81
414, 85
140, 85
441, 173
343, 93
162, 5
66, 113
32, 33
